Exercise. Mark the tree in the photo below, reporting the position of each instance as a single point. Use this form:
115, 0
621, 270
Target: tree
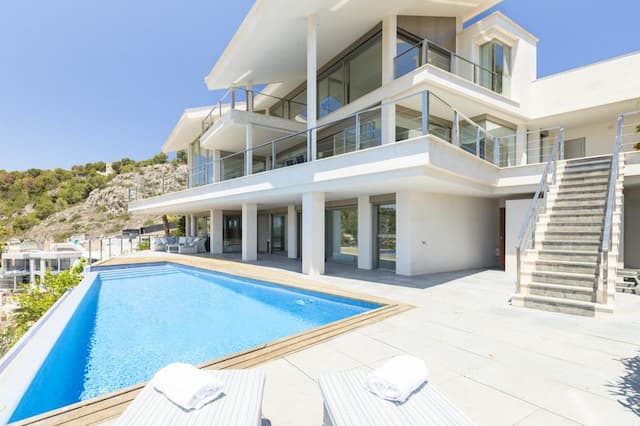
637, 146
181, 157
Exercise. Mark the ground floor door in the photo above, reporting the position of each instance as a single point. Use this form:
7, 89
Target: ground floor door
341, 229
385, 236
278, 232
232, 233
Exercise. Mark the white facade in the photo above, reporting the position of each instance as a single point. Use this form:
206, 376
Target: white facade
413, 158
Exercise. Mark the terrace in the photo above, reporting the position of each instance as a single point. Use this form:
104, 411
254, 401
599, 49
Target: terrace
538, 367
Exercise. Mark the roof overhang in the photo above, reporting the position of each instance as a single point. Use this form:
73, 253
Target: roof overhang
186, 130
270, 45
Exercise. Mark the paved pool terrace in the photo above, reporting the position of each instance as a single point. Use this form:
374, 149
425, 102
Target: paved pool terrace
500, 364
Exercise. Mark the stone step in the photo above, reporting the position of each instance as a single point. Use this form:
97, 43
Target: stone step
627, 287
554, 304
581, 182
562, 291
568, 236
565, 278
583, 223
569, 255
586, 167
559, 204
578, 196
587, 160
581, 175
580, 228
557, 265
597, 189
567, 216
569, 245
576, 210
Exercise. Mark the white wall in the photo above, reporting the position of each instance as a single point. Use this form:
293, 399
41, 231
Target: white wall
632, 227
515, 211
437, 232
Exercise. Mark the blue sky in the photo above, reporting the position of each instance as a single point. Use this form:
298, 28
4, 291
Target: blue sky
84, 81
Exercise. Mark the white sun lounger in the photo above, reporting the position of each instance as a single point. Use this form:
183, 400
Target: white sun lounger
240, 405
348, 403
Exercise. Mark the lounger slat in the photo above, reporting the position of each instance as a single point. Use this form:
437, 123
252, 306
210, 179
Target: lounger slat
240, 405
348, 403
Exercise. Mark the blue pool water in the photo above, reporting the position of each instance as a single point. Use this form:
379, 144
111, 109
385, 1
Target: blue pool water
135, 320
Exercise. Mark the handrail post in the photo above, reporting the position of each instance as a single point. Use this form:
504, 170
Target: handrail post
233, 98
273, 155
561, 147
425, 52
456, 129
425, 112
496, 151
357, 132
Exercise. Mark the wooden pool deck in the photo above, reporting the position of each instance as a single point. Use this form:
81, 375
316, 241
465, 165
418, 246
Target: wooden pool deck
110, 406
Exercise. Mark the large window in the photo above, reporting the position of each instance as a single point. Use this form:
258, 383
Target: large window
495, 62
200, 165
342, 234
355, 75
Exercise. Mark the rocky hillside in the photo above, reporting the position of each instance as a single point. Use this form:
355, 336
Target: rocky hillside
104, 211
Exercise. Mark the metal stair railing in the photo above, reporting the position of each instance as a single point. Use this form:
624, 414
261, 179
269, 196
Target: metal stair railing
526, 237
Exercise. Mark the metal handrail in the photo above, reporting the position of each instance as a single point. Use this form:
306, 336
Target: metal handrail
611, 199
250, 95
528, 226
424, 59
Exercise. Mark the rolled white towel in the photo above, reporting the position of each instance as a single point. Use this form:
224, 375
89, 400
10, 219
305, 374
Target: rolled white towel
398, 378
187, 386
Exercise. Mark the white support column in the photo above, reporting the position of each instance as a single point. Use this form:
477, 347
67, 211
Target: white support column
43, 269
32, 270
365, 233
312, 66
187, 225
249, 232
248, 156
313, 233
292, 232
193, 221
215, 231
389, 42
388, 112
410, 224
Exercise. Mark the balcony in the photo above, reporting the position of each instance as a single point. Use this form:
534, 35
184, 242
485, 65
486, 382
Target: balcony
417, 115
426, 52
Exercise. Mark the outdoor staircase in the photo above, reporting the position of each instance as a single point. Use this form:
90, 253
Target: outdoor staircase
561, 271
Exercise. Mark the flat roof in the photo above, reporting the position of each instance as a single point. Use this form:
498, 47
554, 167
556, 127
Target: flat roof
270, 44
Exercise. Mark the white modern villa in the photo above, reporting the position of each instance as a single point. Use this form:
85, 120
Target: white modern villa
389, 134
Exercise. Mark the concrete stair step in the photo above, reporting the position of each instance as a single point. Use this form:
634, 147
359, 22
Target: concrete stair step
597, 189
585, 167
601, 202
566, 278
581, 175
568, 255
554, 304
578, 196
576, 210
571, 227
587, 160
562, 291
566, 222
581, 182
563, 265
627, 287
564, 244
568, 236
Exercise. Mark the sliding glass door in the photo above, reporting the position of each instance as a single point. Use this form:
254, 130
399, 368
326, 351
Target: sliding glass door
385, 252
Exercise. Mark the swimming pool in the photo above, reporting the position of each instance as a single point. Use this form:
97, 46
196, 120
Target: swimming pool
134, 320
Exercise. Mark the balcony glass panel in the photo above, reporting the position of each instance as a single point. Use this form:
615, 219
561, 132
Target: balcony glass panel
408, 56
232, 166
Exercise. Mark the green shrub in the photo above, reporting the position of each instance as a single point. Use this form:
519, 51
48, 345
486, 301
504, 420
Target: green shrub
144, 245
35, 300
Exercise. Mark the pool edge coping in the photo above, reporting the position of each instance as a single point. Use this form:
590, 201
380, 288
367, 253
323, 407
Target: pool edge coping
111, 405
